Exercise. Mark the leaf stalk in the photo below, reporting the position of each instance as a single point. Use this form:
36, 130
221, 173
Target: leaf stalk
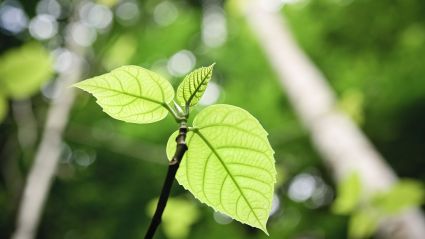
176, 114
173, 166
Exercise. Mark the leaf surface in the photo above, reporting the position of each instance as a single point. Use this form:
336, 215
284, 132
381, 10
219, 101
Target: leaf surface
131, 93
229, 165
193, 86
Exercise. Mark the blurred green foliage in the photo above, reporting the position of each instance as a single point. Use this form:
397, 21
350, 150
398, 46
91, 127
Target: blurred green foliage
402, 195
363, 224
24, 70
3, 107
349, 192
366, 213
371, 52
121, 52
374, 48
175, 225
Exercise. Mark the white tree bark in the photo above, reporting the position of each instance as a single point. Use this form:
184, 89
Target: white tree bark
43, 170
343, 146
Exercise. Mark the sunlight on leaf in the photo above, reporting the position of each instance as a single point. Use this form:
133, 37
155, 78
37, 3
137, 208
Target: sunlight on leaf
229, 165
349, 192
131, 93
24, 70
193, 86
178, 216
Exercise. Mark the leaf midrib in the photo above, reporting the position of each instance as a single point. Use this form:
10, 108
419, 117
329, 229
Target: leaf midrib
129, 94
199, 86
196, 131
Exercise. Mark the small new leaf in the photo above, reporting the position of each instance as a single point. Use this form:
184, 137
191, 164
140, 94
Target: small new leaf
229, 165
131, 93
193, 86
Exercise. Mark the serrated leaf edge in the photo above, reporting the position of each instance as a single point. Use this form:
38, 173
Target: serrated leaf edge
208, 75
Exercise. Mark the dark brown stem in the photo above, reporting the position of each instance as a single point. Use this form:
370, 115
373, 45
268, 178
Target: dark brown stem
168, 183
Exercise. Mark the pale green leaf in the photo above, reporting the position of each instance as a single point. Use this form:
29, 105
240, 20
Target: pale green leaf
193, 86
174, 224
131, 93
24, 70
3, 108
348, 194
229, 165
404, 194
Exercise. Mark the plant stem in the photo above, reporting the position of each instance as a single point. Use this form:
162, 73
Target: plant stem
175, 114
168, 183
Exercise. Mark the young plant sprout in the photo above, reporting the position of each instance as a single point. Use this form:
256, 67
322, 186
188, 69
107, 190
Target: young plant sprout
224, 156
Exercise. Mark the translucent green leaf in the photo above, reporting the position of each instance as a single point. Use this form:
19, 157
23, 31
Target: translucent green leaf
406, 193
229, 165
348, 195
193, 86
131, 93
24, 70
174, 224
3, 108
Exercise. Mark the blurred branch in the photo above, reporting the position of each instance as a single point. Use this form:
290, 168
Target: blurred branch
42, 172
45, 163
26, 124
342, 145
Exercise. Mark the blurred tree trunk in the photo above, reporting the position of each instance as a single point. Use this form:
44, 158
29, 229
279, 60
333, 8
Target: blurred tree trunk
44, 166
341, 143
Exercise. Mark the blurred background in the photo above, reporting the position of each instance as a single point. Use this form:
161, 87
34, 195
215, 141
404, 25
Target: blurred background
107, 173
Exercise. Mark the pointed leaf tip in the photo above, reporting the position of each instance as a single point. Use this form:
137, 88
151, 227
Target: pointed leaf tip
194, 85
229, 165
131, 94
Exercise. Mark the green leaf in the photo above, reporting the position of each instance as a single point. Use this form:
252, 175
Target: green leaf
193, 86
131, 93
404, 194
3, 108
229, 165
349, 192
24, 70
174, 224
